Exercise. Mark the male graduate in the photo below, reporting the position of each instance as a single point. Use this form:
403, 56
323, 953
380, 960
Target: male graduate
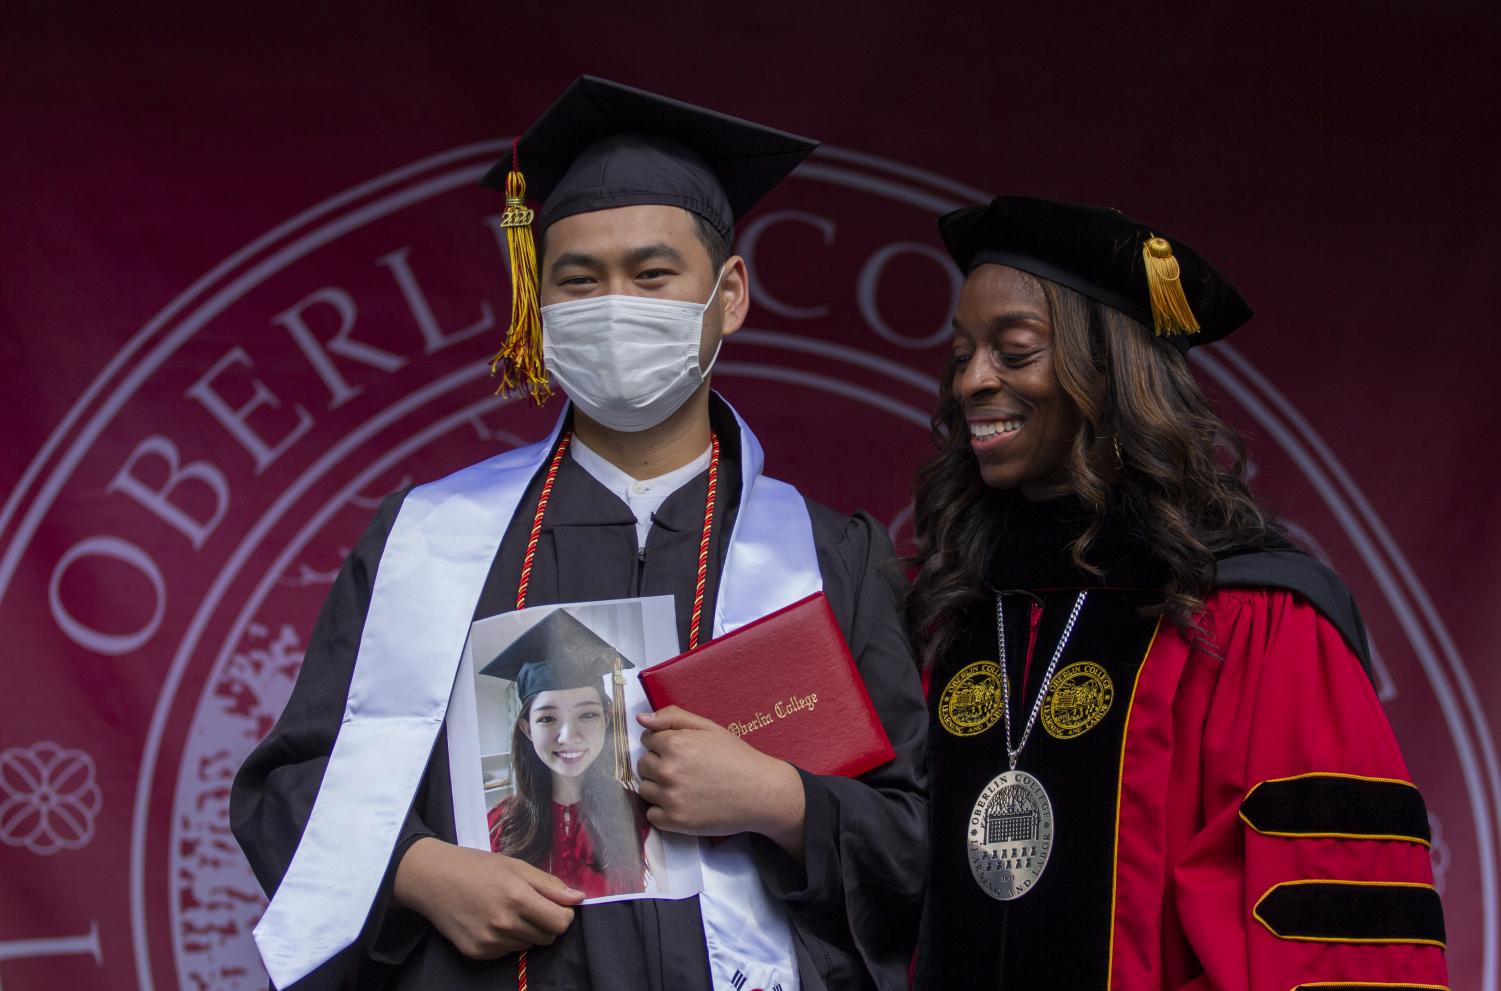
649, 485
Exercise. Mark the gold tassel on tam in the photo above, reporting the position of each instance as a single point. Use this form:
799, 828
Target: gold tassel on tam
1170, 311
617, 719
519, 361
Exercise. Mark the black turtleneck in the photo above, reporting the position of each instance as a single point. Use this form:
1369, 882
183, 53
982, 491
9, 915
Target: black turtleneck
1032, 549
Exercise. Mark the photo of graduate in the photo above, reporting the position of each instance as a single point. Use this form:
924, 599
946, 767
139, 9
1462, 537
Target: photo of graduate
562, 796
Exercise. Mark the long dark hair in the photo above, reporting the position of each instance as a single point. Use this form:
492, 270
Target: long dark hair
608, 810
1180, 487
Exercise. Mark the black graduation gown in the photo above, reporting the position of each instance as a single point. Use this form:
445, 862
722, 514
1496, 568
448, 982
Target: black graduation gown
853, 904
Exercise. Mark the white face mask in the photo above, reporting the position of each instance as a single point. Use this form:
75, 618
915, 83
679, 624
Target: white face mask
628, 362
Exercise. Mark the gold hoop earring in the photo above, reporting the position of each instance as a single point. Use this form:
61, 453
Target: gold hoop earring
1115, 443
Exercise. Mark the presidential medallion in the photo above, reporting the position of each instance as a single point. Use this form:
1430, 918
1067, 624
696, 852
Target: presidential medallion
971, 702
1010, 835
1077, 700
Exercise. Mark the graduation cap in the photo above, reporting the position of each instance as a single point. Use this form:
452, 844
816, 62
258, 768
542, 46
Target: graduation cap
603, 145
559, 652
1151, 277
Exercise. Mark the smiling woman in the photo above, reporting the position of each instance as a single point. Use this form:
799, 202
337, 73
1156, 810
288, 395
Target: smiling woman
1020, 420
1091, 561
1051, 392
567, 731
571, 813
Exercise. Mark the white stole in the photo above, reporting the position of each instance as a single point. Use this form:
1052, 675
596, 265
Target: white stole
436, 559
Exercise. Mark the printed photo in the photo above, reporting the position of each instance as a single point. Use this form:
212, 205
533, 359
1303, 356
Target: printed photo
555, 697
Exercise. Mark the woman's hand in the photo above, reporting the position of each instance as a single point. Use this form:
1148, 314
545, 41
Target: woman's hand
701, 779
485, 904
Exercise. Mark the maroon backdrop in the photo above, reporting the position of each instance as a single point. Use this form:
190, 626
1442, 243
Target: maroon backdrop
249, 285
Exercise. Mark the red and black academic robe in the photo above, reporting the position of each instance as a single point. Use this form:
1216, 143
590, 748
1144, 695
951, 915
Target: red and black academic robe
1231, 808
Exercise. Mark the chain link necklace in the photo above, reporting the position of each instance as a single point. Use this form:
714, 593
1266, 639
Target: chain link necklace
1013, 754
1010, 832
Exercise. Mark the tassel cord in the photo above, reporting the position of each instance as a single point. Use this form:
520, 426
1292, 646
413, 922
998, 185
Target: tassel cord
518, 363
1171, 314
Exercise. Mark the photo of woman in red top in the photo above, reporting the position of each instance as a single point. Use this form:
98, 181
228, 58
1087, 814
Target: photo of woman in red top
572, 814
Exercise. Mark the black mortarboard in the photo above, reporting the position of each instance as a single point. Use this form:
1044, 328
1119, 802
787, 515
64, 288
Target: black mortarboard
557, 652
602, 145
1150, 276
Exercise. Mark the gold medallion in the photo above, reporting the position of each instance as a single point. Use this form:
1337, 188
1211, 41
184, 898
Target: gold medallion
1077, 700
971, 702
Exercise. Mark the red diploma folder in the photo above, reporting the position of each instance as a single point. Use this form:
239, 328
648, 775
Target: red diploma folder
787, 685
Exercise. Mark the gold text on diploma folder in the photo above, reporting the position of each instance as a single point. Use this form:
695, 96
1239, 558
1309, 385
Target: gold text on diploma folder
782, 708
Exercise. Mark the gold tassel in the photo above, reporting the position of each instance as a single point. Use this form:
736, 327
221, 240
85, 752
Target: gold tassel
622, 740
519, 361
1171, 314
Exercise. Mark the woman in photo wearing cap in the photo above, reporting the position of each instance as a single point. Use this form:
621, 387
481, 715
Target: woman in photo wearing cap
572, 814
1156, 759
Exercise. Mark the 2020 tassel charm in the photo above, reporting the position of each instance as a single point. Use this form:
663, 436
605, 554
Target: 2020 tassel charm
519, 361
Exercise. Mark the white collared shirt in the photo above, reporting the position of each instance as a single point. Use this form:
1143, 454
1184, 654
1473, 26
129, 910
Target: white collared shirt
644, 495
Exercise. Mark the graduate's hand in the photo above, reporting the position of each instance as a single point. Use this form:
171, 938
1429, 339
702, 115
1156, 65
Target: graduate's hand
699, 778
485, 904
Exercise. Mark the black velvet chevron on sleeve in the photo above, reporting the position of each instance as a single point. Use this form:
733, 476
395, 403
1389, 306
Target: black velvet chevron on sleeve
1337, 805
1353, 912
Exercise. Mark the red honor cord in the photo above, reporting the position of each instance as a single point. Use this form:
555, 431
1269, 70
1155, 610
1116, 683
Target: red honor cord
698, 586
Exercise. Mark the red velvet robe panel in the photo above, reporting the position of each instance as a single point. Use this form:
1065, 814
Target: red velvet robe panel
1284, 697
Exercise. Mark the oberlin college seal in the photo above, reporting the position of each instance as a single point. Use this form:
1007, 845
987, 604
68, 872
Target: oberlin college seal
1010, 835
